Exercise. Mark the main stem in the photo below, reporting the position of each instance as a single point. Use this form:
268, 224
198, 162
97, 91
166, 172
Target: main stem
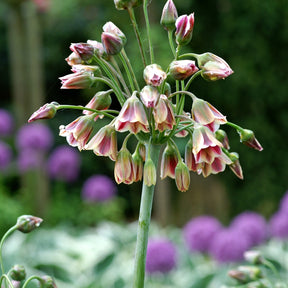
144, 223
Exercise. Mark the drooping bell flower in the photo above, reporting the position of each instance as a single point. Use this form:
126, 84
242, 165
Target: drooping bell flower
169, 16
126, 4
150, 174
84, 50
207, 115
123, 170
113, 39
74, 59
77, 133
182, 176
184, 29
154, 75
104, 142
190, 160
47, 111
79, 80
248, 138
137, 162
163, 114
182, 69
149, 96
168, 162
213, 67
132, 116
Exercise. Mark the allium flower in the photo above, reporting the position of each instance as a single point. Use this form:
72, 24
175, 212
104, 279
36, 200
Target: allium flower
34, 136
80, 68
5, 156
123, 169
79, 80
229, 245
74, 59
100, 101
284, 203
98, 188
182, 176
150, 173
161, 256
182, 69
132, 116
154, 75
200, 231
248, 138
64, 164
47, 111
278, 225
235, 166
184, 29
6, 123
137, 162
149, 96
29, 159
251, 224
169, 16
85, 51
168, 162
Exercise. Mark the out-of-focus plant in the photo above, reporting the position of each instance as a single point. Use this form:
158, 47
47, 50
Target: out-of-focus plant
152, 113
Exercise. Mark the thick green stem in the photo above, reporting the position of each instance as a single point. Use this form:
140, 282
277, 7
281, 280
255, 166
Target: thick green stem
144, 222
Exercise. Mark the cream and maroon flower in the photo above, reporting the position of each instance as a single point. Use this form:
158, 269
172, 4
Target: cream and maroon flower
47, 111
206, 114
164, 115
77, 133
182, 69
190, 160
74, 59
149, 96
104, 142
132, 116
168, 162
154, 75
184, 29
150, 174
169, 16
137, 162
85, 51
123, 170
79, 80
182, 176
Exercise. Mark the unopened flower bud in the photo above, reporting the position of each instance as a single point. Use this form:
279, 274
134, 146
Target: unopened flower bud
248, 138
221, 136
149, 96
84, 50
74, 59
150, 174
47, 282
18, 273
169, 16
168, 162
79, 80
123, 170
27, 223
125, 4
245, 274
184, 29
253, 257
47, 111
87, 68
235, 165
99, 50
154, 75
182, 176
182, 69
137, 162
100, 101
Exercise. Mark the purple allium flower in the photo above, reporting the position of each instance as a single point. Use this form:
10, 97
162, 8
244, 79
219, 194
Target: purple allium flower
161, 256
199, 232
29, 159
251, 224
34, 136
64, 164
278, 225
284, 203
5, 155
6, 123
229, 245
98, 188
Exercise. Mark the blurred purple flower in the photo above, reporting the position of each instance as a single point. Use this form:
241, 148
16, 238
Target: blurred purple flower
34, 136
98, 188
253, 225
29, 159
5, 155
199, 232
278, 225
161, 256
229, 245
284, 203
6, 123
64, 164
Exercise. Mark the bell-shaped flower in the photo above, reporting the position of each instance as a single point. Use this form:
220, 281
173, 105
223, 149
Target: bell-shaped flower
47, 111
182, 176
74, 59
190, 160
213, 67
182, 69
95, 70
163, 114
150, 174
169, 16
207, 115
184, 29
77, 133
104, 142
125, 4
248, 138
137, 162
123, 170
79, 80
168, 162
132, 116
84, 50
235, 165
149, 96
154, 75
113, 39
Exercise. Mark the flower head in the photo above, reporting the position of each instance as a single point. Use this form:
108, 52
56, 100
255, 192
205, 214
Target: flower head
98, 188
6, 123
199, 232
284, 202
169, 16
154, 75
184, 29
5, 156
74, 59
182, 69
123, 170
278, 225
161, 256
99, 49
47, 111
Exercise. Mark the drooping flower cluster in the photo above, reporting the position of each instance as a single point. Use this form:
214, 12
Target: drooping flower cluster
153, 113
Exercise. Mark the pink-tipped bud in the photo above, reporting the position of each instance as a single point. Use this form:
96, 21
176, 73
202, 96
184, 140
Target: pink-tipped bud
100, 101
79, 80
74, 59
248, 138
182, 176
150, 174
235, 165
184, 29
169, 16
47, 282
154, 75
245, 274
137, 162
28, 223
47, 111
168, 162
126, 4
221, 136
84, 50
149, 96
213, 67
182, 69
18, 273
123, 170
190, 160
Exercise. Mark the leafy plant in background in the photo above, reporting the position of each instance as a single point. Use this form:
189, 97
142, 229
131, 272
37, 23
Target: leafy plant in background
152, 113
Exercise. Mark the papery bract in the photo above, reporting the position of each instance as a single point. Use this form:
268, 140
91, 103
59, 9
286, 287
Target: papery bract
154, 75
123, 170
182, 69
184, 29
